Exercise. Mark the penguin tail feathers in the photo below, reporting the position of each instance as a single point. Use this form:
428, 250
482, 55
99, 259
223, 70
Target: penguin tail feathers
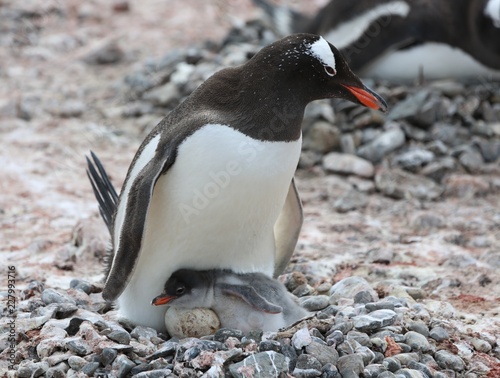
104, 190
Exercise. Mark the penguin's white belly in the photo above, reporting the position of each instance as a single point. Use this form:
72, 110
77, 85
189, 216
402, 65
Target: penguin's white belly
438, 61
214, 208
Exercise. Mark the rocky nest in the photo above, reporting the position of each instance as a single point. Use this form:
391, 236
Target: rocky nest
408, 200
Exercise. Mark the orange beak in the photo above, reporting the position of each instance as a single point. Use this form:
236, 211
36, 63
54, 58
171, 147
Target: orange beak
162, 299
368, 98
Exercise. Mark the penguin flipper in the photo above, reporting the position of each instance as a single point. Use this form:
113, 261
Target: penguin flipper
287, 229
131, 213
250, 296
104, 190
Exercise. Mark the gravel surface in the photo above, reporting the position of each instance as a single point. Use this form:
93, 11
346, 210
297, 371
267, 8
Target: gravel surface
399, 254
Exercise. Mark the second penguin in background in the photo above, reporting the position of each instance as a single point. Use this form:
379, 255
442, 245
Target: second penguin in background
247, 302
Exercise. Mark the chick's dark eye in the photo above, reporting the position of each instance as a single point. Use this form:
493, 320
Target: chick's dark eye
180, 290
330, 71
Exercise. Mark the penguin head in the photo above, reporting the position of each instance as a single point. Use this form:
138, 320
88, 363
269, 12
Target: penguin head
313, 69
185, 288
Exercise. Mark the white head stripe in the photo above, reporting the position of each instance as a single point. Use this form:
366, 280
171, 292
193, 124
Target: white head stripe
321, 51
492, 10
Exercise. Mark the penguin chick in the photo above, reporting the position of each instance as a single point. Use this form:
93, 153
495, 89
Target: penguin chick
241, 301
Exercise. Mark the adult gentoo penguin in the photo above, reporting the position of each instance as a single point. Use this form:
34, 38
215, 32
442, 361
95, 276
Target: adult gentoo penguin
395, 39
247, 302
211, 187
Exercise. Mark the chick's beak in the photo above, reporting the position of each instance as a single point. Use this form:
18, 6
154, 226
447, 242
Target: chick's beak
368, 98
162, 299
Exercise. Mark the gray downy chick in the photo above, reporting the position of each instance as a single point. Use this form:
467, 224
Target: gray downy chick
241, 301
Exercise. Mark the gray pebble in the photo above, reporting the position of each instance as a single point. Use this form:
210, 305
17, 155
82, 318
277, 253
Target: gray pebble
28, 369
329, 371
324, 353
58, 371
119, 335
399, 184
268, 364
472, 161
107, 356
437, 147
386, 374
405, 358
52, 296
449, 360
410, 106
364, 296
378, 344
348, 287
490, 150
303, 290
437, 170
374, 370
143, 332
224, 333
109, 53
366, 354
405, 348
157, 373
414, 159
309, 159
380, 256
335, 338
164, 95
378, 357
306, 373
315, 303
417, 341
323, 137
350, 366
392, 364
76, 363
301, 338
293, 280
289, 352
78, 346
374, 320
421, 367
269, 345
387, 303
410, 373
481, 345
328, 312
90, 368
307, 362
348, 347
64, 310
348, 164
439, 334
388, 141
82, 285
361, 337
349, 312
445, 374
419, 326
122, 365
343, 326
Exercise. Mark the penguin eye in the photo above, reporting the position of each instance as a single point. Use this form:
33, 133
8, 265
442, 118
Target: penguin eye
330, 71
180, 290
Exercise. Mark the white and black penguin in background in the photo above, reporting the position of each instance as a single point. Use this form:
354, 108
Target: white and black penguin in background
396, 39
251, 301
216, 175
